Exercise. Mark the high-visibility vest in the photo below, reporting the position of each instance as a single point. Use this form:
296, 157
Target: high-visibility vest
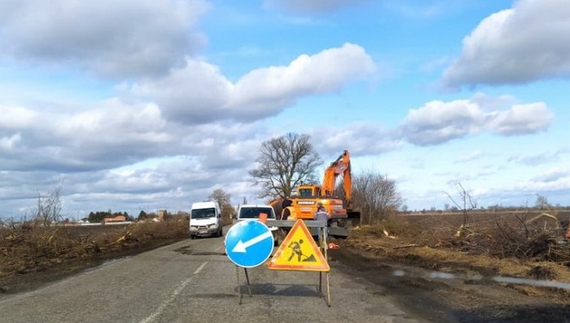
292, 214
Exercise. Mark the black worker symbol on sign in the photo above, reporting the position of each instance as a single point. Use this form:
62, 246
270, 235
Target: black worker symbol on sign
295, 247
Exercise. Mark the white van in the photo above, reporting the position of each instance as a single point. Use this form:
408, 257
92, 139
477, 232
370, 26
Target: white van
205, 220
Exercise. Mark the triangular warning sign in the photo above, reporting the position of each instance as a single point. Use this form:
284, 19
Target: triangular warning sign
299, 252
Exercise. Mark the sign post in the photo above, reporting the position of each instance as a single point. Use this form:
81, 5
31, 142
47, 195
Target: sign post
298, 251
248, 244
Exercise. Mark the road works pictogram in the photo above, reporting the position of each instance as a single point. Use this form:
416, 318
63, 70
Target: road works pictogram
299, 252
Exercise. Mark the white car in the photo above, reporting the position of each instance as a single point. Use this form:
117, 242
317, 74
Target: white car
251, 212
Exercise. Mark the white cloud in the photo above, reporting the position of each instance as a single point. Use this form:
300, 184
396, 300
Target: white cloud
553, 174
470, 156
8, 143
199, 93
438, 122
560, 184
116, 38
519, 45
364, 138
102, 137
538, 157
194, 94
522, 119
492, 103
325, 72
16, 117
116, 123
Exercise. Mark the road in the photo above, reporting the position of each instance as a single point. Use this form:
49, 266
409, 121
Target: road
194, 281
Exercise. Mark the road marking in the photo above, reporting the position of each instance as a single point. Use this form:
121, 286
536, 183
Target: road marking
173, 296
200, 268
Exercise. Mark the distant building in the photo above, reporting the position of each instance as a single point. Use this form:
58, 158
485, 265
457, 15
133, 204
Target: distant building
118, 218
161, 215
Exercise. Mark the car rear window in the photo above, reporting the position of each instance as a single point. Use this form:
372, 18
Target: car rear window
253, 212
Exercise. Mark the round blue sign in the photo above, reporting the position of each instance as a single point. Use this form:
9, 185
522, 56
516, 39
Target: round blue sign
249, 243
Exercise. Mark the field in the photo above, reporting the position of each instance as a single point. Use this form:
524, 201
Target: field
483, 218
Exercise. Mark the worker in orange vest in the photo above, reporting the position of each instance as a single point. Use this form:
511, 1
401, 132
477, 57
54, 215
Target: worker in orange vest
288, 212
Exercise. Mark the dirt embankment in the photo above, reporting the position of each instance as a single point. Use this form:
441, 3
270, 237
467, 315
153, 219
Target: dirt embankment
503, 272
33, 256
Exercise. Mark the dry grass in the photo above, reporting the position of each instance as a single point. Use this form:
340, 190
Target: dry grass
31, 248
495, 248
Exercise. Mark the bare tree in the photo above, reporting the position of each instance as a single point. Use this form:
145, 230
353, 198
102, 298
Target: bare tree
466, 203
285, 163
220, 196
375, 196
48, 209
541, 202
224, 200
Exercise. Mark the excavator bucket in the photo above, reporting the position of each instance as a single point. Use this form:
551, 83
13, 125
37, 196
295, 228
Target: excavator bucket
353, 218
341, 229
338, 232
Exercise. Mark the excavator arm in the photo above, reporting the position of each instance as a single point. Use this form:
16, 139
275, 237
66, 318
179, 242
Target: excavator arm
340, 166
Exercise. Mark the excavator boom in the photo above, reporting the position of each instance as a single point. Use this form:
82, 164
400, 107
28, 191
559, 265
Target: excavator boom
341, 166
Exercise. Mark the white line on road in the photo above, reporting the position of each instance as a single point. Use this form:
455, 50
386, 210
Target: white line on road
172, 296
200, 268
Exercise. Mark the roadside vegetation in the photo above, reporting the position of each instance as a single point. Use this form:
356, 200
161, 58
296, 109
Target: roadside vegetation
28, 249
528, 244
47, 245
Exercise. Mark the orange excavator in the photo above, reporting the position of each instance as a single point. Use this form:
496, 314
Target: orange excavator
304, 201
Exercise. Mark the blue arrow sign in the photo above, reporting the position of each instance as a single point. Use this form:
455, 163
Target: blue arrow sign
249, 243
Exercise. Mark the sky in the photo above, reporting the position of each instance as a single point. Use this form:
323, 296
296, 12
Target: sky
153, 104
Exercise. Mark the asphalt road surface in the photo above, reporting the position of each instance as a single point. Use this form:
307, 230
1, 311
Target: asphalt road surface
194, 281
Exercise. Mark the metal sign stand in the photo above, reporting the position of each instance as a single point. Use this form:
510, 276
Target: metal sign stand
248, 244
240, 295
324, 280
321, 226
324, 247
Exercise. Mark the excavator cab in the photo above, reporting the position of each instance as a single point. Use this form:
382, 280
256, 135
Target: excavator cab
309, 191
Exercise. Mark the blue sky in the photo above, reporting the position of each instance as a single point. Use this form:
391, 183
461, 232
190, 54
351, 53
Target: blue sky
153, 104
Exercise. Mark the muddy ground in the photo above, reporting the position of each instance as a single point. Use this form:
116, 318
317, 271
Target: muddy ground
451, 300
